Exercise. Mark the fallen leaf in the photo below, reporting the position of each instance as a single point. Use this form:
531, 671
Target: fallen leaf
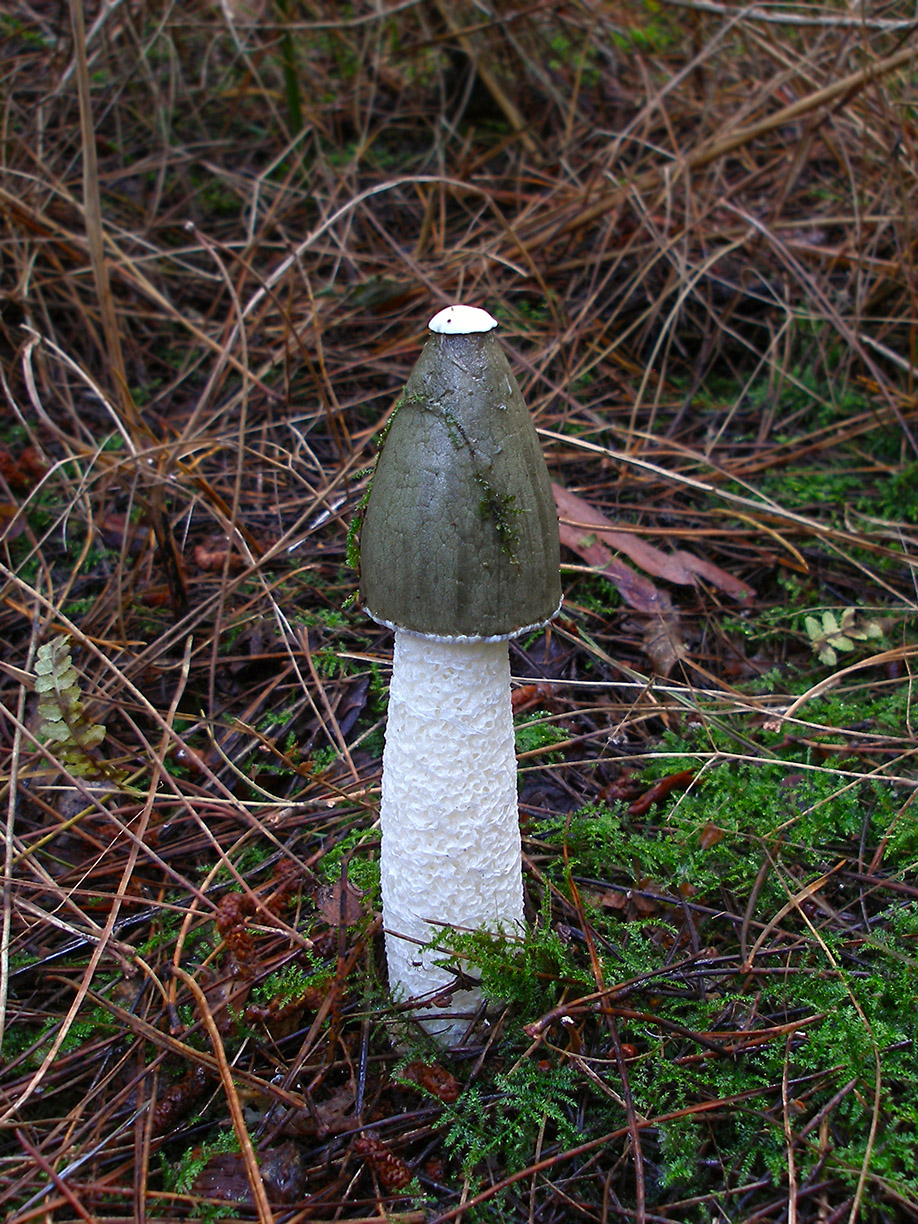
282, 1016
282, 1168
638, 592
22, 473
594, 527
663, 642
715, 575
334, 1116
118, 531
660, 790
339, 903
586, 530
710, 835
224, 1178
529, 695
178, 1100
611, 899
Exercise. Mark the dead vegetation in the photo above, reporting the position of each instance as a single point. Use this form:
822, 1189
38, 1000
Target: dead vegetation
224, 228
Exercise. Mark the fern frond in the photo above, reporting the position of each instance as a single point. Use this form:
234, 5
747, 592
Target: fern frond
63, 721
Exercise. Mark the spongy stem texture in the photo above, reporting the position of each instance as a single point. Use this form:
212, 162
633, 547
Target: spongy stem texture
450, 827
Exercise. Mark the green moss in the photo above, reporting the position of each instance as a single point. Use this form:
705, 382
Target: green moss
532, 731
180, 1177
361, 845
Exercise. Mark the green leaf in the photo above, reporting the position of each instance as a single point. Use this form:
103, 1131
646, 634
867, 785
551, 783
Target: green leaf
840, 642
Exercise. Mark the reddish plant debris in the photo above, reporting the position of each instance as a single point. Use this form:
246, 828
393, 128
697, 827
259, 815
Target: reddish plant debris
23, 472
286, 879
710, 835
332, 1116
182, 754
178, 1100
282, 1169
588, 532
12, 522
393, 1173
224, 1178
434, 1079
156, 597
233, 911
529, 695
282, 1016
215, 554
119, 531
660, 790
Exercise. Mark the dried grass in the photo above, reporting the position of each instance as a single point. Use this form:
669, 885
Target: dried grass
224, 228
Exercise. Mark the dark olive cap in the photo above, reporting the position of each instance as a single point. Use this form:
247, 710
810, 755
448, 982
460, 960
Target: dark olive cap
460, 535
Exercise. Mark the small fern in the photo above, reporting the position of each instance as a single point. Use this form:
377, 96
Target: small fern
506, 1125
63, 723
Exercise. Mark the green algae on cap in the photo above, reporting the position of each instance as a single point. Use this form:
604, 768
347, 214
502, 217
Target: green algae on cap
460, 536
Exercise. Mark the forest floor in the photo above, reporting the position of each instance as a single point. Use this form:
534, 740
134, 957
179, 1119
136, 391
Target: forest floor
225, 226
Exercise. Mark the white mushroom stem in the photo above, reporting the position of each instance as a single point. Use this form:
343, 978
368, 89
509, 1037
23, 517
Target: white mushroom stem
451, 853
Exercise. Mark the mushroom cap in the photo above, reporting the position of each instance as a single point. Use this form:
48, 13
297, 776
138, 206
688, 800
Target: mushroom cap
460, 536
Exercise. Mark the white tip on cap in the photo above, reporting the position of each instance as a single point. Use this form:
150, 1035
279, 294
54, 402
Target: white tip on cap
459, 320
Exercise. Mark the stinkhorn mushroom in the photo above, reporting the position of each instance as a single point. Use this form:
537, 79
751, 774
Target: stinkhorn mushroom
459, 552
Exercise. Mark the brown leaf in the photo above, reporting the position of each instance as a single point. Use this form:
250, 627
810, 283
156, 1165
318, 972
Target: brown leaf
638, 592
610, 898
529, 695
224, 1178
587, 532
118, 531
593, 527
715, 575
333, 1116
24, 472
661, 789
336, 1114
710, 835
338, 904
282, 1016
641, 904
283, 1170
663, 642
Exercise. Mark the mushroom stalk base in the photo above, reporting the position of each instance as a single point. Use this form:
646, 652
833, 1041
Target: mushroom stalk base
451, 855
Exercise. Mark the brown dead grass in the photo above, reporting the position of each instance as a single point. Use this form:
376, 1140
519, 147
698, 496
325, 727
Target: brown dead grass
216, 276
